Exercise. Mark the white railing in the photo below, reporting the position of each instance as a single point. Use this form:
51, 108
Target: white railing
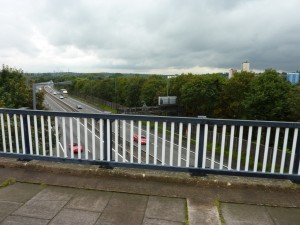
256, 148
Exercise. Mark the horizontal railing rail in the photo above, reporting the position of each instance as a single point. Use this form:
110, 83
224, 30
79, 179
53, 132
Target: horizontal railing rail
197, 145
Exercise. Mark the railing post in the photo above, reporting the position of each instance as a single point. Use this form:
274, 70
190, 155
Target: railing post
105, 140
201, 146
26, 134
201, 142
297, 156
105, 144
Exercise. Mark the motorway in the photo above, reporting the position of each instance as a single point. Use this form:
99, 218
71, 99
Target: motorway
91, 137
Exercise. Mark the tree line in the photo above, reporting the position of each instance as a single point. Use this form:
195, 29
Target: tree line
267, 96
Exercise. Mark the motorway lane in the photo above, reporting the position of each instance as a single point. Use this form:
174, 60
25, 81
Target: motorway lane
167, 159
91, 151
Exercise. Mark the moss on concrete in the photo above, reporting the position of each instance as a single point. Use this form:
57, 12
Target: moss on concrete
7, 182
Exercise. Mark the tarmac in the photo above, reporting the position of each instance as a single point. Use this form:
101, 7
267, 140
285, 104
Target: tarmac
57, 193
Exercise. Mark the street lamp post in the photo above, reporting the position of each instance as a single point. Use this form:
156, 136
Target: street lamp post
34, 96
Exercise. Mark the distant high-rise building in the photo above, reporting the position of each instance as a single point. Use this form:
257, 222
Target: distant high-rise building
246, 66
231, 73
293, 77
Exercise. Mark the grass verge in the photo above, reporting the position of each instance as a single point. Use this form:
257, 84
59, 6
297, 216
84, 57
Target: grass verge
103, 107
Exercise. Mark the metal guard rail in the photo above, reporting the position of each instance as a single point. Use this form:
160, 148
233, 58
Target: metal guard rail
196, 145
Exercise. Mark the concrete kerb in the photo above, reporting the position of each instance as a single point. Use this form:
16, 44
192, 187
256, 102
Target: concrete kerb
152, 175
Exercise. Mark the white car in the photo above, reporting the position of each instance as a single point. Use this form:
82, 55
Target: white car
78, 106
61, 97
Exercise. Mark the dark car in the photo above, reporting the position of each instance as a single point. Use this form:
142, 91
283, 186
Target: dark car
76, 147
142, 137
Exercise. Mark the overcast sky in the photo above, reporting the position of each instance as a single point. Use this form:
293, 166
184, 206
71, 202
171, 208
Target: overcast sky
149, 36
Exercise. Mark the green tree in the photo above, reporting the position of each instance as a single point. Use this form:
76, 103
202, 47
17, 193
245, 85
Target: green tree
14, 93
233, 95
152, 88
201, 95
269, 97
133, 91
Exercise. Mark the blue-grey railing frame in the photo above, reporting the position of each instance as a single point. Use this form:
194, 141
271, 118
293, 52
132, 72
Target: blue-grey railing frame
201, 121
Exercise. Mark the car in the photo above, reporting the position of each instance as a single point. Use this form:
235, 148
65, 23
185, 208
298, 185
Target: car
142, 137
61, 97
76, 147
78, 106
54, 92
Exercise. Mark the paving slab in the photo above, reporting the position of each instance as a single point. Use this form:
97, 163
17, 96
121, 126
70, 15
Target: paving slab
284, 216
89, 200
164, 208
55, 193
243, 214
148, 221
202, 214
19, 192
20, 220
40, 209
124, 209
7, 207
74, 216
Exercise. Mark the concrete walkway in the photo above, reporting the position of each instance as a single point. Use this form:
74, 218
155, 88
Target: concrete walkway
23, 203
41, 197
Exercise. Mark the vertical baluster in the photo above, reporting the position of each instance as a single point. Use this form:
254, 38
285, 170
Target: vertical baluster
293, 151
231, 146
148, 142
64, 136
116, 140
3, 133
23, 134
248, 148
188, 147
213, 154
9, 133
131, 141
93, 140
124, 141
71, 137
101, 139
86, 144
29, 134
266, 150
16, 133
78, 138
50, 136
43, 135
172, 143
240, 148
275, 150
155, 141
179, 144
205, 146
108, 129
286, 135
163, 158
222, 147
257, 149
57, 136
36, 136
139, 141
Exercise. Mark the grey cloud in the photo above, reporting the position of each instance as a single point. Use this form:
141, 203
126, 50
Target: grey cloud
157, 34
